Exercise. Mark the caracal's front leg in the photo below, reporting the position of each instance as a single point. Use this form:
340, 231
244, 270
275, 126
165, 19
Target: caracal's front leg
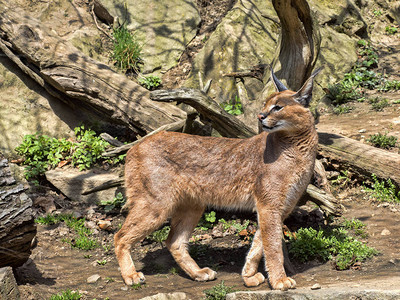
270, 223
249, 273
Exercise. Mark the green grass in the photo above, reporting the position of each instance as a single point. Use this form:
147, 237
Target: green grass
82, 241
329, 244
356, 225
384, 191
378, 104
218, 292
126, 49
383, 141
342, 109
67, 295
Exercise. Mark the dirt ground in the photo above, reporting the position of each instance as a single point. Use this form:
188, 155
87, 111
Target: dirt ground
54, 266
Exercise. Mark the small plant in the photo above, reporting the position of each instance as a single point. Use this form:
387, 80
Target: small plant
391, 30
329, 244
89, 148
235, 224
377, 12
218, 292
383, 191
343, 178
356, 225
161, 235
383, 141
67, 295
342, 109
234, 107
173, 271
150, 82
126, 50
207, 221
379, 104
101, 262
116, 203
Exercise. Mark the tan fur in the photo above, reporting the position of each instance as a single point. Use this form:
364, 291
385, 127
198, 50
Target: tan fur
175, 175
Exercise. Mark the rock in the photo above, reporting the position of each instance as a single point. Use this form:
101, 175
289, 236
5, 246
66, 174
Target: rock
170, 296
385, 232
73, 184
164, 27
316, 287
362, 131
93, 279
8, 285
343, 293
104, 224
45, 202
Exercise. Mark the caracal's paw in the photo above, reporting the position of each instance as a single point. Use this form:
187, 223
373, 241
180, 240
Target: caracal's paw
284, 284
135, 278
205, 274
255, 280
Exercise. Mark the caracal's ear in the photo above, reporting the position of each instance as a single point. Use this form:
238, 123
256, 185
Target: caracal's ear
279, 86
304, 95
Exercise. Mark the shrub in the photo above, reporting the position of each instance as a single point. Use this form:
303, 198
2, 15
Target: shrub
329, 244
383, 141
218, 292
41, 152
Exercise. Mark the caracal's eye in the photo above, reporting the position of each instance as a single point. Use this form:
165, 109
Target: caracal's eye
276, 108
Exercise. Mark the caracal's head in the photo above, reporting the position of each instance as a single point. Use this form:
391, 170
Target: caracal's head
286, 110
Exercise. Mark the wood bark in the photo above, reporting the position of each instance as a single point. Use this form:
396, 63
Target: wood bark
362, 159
299, 42
17, 227
77, 79
226, 124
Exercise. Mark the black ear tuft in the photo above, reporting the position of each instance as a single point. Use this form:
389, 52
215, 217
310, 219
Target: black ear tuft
304, 95
279, 86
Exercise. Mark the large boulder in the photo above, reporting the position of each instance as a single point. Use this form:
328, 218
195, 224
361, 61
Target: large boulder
164, 27
247, 36
85, 186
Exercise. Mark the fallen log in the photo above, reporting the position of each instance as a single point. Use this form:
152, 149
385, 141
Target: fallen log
17, 226
78, 80
362, 159
226, 124
176, 126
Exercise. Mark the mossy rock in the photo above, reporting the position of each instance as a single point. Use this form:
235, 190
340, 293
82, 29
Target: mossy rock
163, 27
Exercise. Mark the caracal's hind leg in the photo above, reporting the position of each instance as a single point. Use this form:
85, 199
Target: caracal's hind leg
141, 221
249, 273
183, 221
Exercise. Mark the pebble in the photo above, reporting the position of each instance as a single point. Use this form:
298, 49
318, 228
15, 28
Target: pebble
385, 232
93, 279
124, 288
362, 130
104, 224
316, 287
